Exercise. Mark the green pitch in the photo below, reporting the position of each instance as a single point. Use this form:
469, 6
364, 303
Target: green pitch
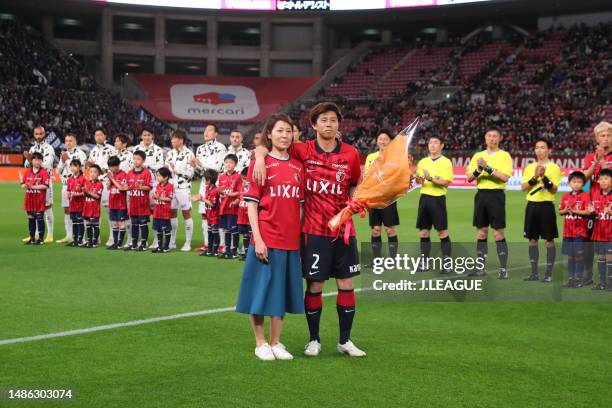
420, 354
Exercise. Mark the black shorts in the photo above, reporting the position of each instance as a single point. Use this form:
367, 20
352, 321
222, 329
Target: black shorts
76, 217
92, 220
228, 221
139, 219
36, 215
160, 224
574, 247
490, 209
432, 212
540, 221
118, 215
328, 257
603, 247
386, 216
244, 229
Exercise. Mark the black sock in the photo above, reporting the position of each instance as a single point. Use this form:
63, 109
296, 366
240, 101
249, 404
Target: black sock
144, 234
392, 246
75, 231
121, 235
551, 253
228, 241
40, 226
167, 233
345, 305
534, 256
446, 245
482, 249
216, 240
588, 257
89, 229
601, 267
313, 303
235, 240
211, 240
571, 268
502, 253
32, 228
579, 268
376, 247
81, 231
116, 236
425, 247
135, 230
160, 238
246, 242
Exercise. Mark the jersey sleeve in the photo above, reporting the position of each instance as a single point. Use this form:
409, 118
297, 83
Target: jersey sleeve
49, 158
298, 151
473, 165
98, 188
253, 193
447, 171
506, 164
528, 173
170, 191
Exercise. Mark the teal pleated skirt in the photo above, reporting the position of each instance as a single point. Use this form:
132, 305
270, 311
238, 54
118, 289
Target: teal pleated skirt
272, 289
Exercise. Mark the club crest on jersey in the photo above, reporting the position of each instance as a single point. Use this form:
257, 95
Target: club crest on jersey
296, 177
246, 186
340, 176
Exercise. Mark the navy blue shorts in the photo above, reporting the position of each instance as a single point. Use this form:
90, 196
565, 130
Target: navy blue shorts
244, 228
92, 220
603, 247
118, 215
76, 217
161, 224
227, 222
573, 247
140, 219
37, 215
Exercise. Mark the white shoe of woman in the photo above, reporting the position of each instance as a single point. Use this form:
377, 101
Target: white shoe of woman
280, 352
264, 352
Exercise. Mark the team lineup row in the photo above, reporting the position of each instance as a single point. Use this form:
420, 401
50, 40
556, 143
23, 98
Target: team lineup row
323, 173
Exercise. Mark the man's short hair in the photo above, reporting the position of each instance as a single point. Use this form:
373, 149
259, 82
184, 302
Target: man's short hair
321, 108
605, 172
123, 137
179, 133
544, 140
214, 127
602, 127
494, 128
100, 129
71, 135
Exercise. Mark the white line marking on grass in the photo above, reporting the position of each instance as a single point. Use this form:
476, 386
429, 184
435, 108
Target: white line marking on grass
174, 317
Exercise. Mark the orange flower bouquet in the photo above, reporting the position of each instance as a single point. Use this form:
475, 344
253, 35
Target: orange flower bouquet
386, 180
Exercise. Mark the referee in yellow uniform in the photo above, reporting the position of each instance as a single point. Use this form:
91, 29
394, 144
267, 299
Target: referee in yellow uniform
540, 181
491, 168
434, 173
387, 216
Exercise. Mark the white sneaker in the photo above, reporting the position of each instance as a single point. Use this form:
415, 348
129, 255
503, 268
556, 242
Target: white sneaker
280, 352
110, 242
312, 349
350, 349
264, 352
186, 247
172, 245
153, 245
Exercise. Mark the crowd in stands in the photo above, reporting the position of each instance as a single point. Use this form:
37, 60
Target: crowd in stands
555, 83
40, 85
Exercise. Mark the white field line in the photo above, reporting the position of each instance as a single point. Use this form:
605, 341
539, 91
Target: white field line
173, 317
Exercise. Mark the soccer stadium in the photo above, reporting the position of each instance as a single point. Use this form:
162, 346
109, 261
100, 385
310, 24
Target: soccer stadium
406, 202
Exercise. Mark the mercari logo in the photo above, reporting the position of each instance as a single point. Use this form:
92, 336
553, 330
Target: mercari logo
213, 102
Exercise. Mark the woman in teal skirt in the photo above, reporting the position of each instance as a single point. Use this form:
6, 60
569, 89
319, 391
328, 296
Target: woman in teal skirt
272, 277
